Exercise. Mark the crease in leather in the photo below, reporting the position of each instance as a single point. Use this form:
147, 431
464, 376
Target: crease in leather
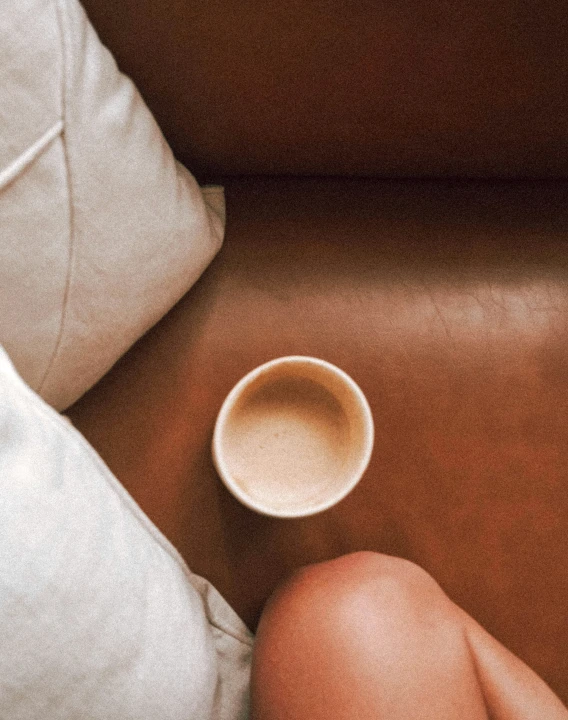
17, 166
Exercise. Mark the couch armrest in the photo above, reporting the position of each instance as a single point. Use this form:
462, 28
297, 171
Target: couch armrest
377, 88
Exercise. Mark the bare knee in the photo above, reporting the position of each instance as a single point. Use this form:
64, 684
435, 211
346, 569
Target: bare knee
360, 585
348, 612
346, 601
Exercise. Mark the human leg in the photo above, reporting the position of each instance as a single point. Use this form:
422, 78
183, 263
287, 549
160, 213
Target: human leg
511, 689
371, 636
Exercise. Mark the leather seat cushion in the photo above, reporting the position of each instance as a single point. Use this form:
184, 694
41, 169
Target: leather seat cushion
447, 302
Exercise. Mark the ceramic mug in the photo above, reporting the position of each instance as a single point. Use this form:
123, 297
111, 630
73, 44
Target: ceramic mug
293, 437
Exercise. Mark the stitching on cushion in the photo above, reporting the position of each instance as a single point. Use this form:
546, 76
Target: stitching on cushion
60, 14
15, 168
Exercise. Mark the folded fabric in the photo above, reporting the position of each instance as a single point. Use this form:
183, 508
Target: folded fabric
101, 230
99, 616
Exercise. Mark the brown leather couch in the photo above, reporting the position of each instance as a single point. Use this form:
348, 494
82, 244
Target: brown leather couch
397, 204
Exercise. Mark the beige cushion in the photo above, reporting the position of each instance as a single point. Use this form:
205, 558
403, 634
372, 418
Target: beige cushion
101, 230
99, 616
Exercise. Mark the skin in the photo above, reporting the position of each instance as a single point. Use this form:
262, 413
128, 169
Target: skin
371, 636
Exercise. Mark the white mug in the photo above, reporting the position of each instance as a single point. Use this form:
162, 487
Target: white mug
293, 437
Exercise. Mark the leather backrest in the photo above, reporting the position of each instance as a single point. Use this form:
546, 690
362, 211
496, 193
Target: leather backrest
351, 87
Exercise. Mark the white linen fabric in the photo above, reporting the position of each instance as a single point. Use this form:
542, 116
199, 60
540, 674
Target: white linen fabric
101, 230
99, 616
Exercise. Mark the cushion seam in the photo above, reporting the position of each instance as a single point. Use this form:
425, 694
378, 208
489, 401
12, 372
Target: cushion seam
60, 12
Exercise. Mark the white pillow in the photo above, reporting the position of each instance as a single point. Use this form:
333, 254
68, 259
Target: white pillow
99, 616
101, 230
